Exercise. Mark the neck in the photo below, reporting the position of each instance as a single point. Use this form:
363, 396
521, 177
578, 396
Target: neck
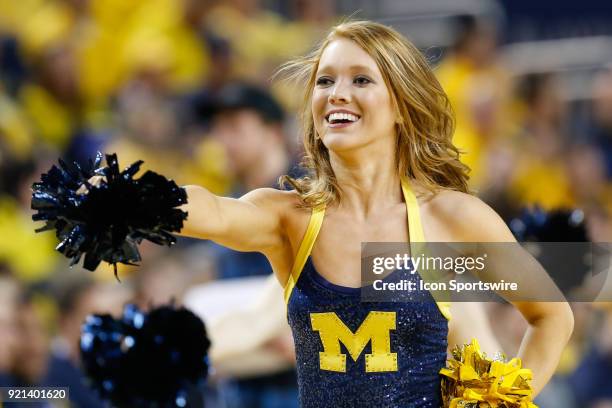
266, 169
370, 182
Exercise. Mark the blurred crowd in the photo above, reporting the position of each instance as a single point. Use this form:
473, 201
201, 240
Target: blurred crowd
185, 85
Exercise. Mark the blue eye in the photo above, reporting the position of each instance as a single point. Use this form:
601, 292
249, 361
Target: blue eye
323, 81
361, 80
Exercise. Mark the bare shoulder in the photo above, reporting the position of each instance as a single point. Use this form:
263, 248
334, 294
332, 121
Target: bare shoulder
284, 204
272, 199
464, 217
447, 201
291, 218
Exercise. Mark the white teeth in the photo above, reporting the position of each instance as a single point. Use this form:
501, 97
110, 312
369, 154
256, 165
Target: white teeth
342, 116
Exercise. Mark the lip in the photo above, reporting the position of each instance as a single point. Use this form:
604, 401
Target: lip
340, 125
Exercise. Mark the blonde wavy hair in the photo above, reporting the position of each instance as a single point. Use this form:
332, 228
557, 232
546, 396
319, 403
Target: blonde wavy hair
424, 135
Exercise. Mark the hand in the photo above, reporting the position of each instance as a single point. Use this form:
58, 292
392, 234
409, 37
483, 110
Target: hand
94, 181
283, 345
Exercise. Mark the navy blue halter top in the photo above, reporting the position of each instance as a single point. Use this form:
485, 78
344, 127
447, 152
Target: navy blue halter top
364, 354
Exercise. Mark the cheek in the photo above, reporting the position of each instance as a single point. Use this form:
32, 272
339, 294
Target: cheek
318, 103
380, 105
317, 108
385, 106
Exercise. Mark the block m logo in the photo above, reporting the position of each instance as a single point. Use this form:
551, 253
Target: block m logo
375, 328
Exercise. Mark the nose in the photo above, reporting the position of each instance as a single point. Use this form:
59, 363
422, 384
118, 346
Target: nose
340, 94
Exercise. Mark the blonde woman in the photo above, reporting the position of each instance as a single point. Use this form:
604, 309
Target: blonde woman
377, 137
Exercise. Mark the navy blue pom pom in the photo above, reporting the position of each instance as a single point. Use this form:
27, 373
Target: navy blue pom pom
537, 225
107, 222
558, 240
145, 360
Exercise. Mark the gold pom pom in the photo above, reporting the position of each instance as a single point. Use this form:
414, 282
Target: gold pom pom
471, 380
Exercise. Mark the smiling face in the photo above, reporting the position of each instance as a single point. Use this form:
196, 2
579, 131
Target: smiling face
375, 74
351, 104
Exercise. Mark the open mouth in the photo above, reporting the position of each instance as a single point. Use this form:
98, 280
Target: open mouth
341, 118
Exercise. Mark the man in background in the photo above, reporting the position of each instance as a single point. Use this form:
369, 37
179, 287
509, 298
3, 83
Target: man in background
248, 122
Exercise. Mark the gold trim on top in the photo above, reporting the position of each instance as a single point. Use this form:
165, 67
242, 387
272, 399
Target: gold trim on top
415, 236
314, 225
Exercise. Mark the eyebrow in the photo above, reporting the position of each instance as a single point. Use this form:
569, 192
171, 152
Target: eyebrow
328, 68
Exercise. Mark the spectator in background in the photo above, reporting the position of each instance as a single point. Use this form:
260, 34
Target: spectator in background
479, 89
9, 294
601, 131
590, 381
314, 13
12, 67
28, 256
586, 170
74, 304
129, 36
259, 38
31, 355
56, 108
218, 71
541, 174
17, 137
78, 297
499, 164
52, 99
310, 19
248, 122
160, 281
151, 129
599, 222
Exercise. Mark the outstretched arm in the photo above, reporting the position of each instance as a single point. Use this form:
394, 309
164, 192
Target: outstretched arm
251, 223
